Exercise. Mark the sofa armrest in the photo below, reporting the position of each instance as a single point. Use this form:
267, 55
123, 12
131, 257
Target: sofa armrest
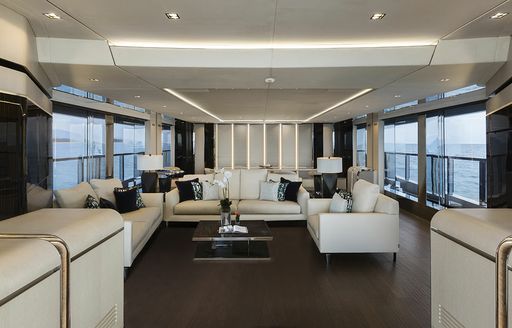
172, 198
318, 205
302, 199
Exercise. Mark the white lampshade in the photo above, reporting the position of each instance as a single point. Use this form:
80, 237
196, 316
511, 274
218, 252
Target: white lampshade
329, 164
150, 162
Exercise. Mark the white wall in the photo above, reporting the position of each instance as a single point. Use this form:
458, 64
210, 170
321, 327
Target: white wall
18, 45
327, 139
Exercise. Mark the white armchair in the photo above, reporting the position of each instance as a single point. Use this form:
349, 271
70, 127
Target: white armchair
376, 232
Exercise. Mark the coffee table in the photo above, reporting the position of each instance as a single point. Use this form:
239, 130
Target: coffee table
212, 245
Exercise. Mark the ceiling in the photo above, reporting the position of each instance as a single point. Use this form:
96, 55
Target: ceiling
219, 53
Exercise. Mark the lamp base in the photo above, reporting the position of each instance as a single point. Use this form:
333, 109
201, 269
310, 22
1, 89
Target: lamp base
329, 184
149, 181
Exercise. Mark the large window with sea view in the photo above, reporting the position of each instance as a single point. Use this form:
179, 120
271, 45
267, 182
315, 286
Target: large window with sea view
361, 144
129, 141
166, 144
78, 147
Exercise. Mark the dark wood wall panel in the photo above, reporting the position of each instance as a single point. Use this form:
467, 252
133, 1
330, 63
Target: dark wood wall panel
343, 147
184, 148
209, 145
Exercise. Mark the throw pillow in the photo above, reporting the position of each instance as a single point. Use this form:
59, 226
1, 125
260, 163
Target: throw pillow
364, 196
291, 190
139, 202
104, 188
105, 203
210, 191
281, 191
268, 191
91, 202
348, 197
197, 187
126, 199
338, 204
74, 197
185, 189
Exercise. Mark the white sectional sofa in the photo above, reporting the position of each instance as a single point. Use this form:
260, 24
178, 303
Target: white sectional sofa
370, 232
244, 190
139, 225
30, 269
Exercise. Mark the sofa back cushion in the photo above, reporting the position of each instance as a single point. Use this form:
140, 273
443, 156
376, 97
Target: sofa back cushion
104, 188
200, 177
364, 196
74, 197
277, 177
250, 183
234, 183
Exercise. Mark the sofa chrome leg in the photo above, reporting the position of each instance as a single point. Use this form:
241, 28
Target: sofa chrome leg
125, 272
394, 257
167, 224
327, 259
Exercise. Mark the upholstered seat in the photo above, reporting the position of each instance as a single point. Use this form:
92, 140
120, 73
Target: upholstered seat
201, 207
255, 206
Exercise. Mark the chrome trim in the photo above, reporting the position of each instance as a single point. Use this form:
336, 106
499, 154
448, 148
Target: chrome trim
502, 253
63, 250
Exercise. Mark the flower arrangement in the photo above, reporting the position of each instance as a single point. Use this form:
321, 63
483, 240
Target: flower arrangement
223, 183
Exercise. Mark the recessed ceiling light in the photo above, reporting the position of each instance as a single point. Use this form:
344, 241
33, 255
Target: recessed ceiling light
172, 16
137, 97
270, 80
445, 79
164, 106
377, 16
52, 15
181, 113
498, 15
398, 96
94, 80
367, 106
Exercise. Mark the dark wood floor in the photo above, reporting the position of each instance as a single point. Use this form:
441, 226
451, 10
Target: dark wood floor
166, 288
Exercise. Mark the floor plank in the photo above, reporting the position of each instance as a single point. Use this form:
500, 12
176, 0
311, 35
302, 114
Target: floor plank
165, 288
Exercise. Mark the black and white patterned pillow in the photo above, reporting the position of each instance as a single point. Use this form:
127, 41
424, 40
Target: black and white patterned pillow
197, 187
91, 202
281, 191
348, 196
139, 202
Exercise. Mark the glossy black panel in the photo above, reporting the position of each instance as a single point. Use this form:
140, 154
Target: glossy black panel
184, 156
499, 159
318, 141
343, 147
209, 145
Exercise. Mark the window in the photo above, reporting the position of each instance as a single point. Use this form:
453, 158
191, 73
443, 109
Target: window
78, 147
129, 141
361, 145
456, 157
401, 157
166, 144
80, 93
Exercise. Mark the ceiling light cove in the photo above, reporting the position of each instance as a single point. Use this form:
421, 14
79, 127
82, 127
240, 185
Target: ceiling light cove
341, 103
271, 46
191, 103
172, 15
52, 15
94, 80
377, 16
498, 15
445, 79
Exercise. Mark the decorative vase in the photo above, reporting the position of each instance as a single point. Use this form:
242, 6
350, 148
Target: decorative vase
225, 216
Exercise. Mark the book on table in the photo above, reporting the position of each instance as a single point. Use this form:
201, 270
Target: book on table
233, 229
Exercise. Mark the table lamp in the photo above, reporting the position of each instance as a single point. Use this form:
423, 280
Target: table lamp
329, 167
149, 164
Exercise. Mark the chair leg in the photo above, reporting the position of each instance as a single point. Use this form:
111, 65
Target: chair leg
167, 224
327, 259
394, 257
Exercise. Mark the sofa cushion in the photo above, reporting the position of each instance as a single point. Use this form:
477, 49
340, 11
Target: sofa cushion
146, 214
292, 189
364, 196
104, 188
201, 207
314, 223
250, 183
277, 177
234, 183
254, 206
126, 199
74, 197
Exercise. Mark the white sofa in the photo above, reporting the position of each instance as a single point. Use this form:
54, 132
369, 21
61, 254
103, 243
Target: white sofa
376, 232
244, 190
30, 269
139, 225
